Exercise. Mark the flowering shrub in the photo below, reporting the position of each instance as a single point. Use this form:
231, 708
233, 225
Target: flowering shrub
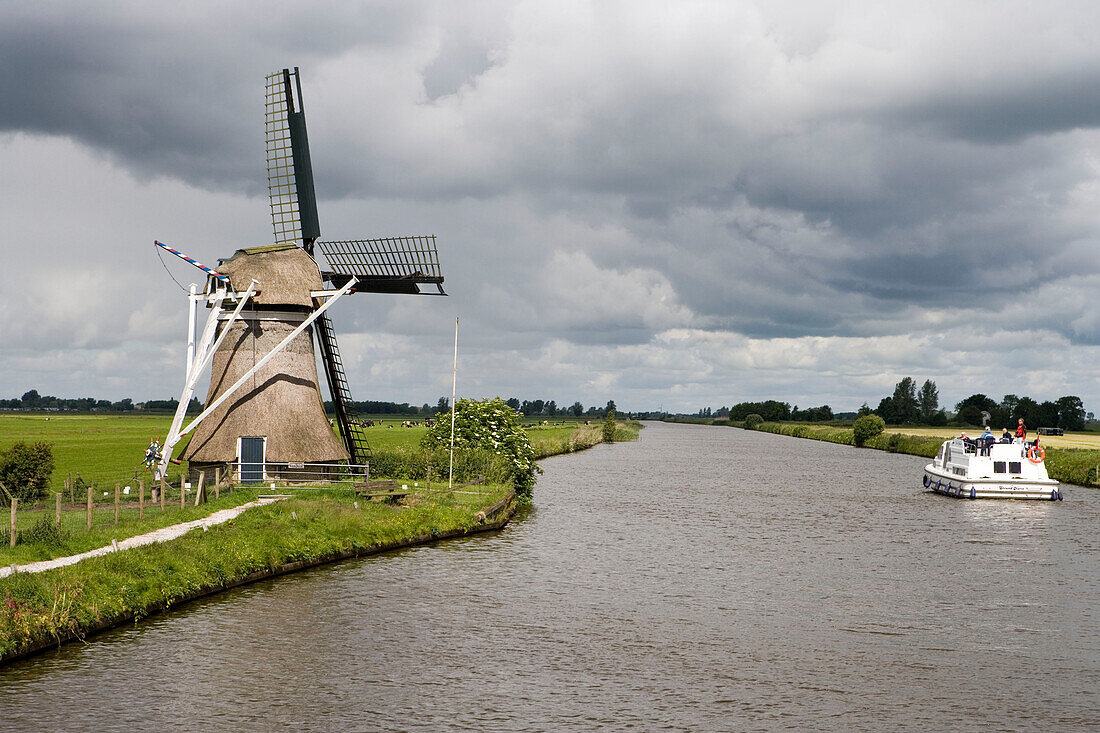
493, 426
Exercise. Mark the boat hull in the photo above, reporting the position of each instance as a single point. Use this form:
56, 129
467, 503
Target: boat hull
960, 487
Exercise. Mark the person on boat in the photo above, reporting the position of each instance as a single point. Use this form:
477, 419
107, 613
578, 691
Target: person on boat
986, 439
1021, 429
1006, 437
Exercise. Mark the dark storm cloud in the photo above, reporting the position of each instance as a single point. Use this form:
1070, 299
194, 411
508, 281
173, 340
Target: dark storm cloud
687, 191
168, 93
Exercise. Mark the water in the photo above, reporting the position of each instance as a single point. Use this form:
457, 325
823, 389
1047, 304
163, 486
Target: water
700, 579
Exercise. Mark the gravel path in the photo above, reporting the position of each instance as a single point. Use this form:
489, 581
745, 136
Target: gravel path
160, 535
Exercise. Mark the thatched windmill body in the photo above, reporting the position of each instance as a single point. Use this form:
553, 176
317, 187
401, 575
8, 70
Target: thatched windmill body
264, 410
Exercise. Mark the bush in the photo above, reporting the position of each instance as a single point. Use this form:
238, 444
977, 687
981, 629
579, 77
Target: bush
609, 427
45, 531
433, 464
753, 421
492, 426
867, 427
25, 471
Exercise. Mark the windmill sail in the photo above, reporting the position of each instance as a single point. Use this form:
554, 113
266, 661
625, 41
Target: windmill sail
390, 265
289, 170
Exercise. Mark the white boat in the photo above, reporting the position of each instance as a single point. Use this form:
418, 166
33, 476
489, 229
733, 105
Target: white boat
971, 469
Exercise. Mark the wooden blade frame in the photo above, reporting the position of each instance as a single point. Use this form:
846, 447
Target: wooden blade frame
289, 170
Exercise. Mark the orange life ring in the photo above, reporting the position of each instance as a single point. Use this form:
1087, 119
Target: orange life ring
1036, 451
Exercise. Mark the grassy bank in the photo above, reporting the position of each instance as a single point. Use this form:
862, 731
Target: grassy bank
1070, 465
74, 537
108, 449
570, 438
42, 609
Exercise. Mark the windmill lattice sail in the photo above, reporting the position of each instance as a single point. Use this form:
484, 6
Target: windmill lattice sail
289, 170
385, 265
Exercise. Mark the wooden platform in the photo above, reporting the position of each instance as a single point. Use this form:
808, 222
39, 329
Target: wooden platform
390, 491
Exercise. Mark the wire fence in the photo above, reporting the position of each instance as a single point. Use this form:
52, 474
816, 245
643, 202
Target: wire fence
90, 502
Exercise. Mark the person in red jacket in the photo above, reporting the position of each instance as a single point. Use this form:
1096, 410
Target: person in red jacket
1021, 431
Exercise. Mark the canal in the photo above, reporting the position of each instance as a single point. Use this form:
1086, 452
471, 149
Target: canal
701, 578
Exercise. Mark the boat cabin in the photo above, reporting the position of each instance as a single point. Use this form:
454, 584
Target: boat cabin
972, 459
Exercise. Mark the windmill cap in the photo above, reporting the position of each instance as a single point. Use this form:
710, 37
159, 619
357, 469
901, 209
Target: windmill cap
286, 274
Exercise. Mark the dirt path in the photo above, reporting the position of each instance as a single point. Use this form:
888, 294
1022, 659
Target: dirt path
160, 535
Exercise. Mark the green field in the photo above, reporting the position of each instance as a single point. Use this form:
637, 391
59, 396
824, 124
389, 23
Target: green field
108, 449
101, 449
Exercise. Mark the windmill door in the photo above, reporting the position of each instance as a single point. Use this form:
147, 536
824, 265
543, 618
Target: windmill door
252, 453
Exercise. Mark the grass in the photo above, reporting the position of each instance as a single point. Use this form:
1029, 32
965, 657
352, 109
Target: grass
102, 449
1072, 465
1090, 441
108, 449
77, 538
98, 592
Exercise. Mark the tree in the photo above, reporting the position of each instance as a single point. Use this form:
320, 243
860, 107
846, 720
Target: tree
443, 405
753, 421
905, 401
25, 470
31, 400
970, 410
1071, 413
886, 411
578, 409
1028, 409
513, 403
1007, 410
928, 401
551, 408
1048, 415
609, 424
490, 425
610, 407
864, 409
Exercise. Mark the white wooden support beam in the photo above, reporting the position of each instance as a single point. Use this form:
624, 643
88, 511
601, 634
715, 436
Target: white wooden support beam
196, 364
259, 365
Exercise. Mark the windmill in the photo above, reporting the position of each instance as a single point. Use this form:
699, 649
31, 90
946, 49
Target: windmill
264, 409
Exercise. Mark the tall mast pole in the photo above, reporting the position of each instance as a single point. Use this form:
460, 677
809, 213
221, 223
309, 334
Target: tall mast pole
454, 407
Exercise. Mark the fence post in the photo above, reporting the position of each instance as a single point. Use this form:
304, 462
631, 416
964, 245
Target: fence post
57, 509
89, 507
14, 504
218, 482
183, 493
200, 491
72, 496
163, 491
117, 488
141, 499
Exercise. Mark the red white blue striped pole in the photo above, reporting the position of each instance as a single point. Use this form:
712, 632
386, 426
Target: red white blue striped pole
196, 263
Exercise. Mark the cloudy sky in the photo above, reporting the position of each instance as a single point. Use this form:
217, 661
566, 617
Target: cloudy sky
670, 205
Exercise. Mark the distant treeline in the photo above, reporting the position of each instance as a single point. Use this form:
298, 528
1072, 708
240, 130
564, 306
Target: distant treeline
32, 401
911, 406
528, 408
774, 411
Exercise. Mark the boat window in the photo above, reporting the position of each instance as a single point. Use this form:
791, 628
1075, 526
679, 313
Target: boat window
1013, 466
998, 466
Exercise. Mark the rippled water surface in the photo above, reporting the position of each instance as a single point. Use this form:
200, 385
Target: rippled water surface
700, 579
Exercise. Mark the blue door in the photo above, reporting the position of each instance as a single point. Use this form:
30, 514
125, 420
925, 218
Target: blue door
252, 460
